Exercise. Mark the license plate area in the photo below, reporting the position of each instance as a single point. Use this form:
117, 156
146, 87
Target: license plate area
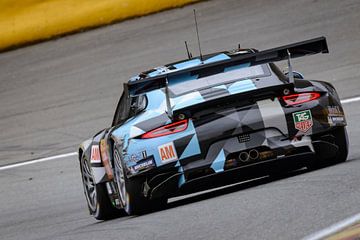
244, 138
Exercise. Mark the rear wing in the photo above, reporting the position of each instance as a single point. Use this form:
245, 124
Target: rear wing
295, 50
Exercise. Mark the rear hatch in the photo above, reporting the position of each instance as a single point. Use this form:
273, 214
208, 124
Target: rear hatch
233, 108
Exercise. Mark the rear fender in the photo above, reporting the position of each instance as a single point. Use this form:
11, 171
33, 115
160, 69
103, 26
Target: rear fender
90, 149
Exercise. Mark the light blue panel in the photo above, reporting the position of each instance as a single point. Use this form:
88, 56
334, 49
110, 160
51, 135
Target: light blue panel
181, 180
187, 100
182, 177
181, 78
228, 69
218, 164
135, 131
193, 148
217, 58
220, 87
241, 86
188, 64
156, 73
151, 145
126, 140
155, 99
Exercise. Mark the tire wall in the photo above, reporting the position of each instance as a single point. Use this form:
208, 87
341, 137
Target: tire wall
28, 21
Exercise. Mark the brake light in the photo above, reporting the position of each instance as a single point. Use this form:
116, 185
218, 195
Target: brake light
299, 98
167, 129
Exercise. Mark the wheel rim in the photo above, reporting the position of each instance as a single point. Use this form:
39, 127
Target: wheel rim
120, 177
89, 185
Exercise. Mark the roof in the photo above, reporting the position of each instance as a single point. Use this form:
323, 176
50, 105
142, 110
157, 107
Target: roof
189, 63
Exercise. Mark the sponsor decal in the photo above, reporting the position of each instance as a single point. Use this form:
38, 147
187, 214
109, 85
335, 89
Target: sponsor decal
335, 120
136, 157
146, 164
335, 115
334, 110
95, 154
303, 120
144, 154
167, 152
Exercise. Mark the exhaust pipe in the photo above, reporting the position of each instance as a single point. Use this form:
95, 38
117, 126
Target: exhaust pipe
253, 154
244, 156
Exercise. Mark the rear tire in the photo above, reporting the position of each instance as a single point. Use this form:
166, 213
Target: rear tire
96, 195
341, 140
131, 191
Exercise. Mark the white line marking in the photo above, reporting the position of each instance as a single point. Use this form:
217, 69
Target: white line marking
334, 228
348, 100
38, 160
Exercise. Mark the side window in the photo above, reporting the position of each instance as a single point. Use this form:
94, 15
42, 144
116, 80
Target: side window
128, 107
137, 104
121, 110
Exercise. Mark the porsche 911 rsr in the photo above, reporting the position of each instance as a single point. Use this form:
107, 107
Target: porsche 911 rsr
208, 121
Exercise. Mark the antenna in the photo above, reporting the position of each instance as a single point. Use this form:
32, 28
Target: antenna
187, 50
291, 74
197, 33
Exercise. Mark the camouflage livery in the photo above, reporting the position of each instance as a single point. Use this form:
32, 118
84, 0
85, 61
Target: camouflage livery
234, 118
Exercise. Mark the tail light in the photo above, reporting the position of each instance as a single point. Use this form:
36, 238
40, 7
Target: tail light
299, 98
167, 129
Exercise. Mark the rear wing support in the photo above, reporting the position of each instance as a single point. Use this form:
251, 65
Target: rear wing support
291, 74
169, 110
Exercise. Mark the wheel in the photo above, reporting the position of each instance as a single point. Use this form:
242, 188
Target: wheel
96, 195
342, 141
130, 191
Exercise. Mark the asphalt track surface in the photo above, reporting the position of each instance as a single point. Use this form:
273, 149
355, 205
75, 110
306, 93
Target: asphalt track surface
55, 94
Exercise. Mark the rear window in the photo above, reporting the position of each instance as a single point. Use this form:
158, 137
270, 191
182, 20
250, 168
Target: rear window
186, 83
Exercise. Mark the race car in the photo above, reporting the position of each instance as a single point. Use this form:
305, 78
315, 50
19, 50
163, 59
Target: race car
208, 121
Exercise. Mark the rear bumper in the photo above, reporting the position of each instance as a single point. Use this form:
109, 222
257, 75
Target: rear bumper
172, 182
198, 174
169, 187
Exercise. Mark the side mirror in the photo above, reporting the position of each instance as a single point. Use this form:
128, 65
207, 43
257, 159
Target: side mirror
296, 75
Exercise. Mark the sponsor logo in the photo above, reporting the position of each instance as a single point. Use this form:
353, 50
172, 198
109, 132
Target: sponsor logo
334, 120
136, 157
144, 154
335, 115
95, 154
303, 120
167, 152
144, 165
335, 110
